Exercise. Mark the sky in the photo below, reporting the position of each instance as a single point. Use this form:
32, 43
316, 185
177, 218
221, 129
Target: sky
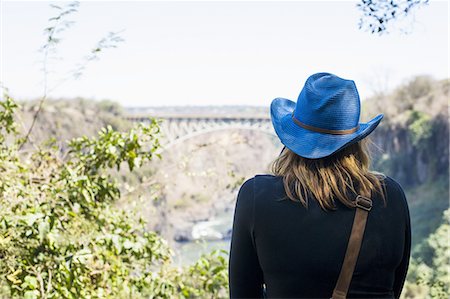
215, 53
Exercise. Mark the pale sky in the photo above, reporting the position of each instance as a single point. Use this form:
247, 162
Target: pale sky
217, 53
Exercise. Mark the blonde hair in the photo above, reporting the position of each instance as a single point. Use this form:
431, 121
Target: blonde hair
330, 177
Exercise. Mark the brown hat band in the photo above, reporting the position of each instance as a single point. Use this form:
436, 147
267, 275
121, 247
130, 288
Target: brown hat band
321, 130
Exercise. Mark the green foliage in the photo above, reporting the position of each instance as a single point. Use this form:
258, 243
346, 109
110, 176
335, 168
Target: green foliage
414, 286
61, 236
427, 203
207, 278
110, 148
420, 128
7, 124
432, 280
111, 107
439, 281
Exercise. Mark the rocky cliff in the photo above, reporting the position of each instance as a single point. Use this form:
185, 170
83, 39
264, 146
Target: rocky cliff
412, 141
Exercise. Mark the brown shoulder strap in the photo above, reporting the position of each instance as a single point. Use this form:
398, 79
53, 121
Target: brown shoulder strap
363, 206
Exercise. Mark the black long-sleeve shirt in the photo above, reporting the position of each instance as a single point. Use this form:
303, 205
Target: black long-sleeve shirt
298, 253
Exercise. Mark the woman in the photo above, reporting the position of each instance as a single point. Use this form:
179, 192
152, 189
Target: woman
291, 230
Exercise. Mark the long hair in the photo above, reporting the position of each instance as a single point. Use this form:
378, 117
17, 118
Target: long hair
331, 177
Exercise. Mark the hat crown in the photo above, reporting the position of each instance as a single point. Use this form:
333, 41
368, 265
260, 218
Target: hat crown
328, 102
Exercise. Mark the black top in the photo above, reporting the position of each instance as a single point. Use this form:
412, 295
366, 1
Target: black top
298, 253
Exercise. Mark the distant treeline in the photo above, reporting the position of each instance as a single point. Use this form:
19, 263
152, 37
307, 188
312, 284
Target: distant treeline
412, 146
413, 137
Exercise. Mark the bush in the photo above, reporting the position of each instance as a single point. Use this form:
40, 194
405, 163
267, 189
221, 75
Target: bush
420, 127
62, 237
432, 279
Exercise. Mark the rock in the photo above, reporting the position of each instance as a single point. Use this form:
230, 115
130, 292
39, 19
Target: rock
182, 237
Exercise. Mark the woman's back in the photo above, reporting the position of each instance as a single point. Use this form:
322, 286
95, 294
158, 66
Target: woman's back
291, 231
298, 252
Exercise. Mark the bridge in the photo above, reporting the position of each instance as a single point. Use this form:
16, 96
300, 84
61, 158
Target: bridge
177, 128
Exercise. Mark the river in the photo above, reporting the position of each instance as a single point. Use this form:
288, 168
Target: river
209, 235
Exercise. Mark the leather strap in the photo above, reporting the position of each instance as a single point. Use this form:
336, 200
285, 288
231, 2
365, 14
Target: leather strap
363, 206
322, 130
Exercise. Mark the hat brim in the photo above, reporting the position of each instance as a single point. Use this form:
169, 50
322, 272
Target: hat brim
310, 144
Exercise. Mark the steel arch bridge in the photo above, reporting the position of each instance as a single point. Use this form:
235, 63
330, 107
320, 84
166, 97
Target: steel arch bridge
181, 127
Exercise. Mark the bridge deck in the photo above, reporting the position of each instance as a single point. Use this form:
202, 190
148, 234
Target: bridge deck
174, 117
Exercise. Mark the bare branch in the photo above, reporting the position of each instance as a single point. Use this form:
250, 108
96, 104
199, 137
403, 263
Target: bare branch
59, 25
378, 15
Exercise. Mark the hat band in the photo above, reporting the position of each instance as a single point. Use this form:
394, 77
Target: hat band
321, 130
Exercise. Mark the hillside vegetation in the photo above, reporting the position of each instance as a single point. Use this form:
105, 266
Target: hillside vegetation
191, 182
413, 142
62, 236
64, 119
413, 147
414, 134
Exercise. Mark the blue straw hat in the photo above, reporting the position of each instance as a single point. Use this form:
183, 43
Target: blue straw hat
325, 118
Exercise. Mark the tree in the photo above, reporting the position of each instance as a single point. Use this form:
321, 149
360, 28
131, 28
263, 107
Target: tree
61, 236
432, 279
379, 15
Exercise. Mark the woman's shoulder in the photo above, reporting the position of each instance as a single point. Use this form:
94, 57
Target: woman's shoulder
261, 180
391, 185
267, 183
260, 183
266, 177
263, 187
394, 192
